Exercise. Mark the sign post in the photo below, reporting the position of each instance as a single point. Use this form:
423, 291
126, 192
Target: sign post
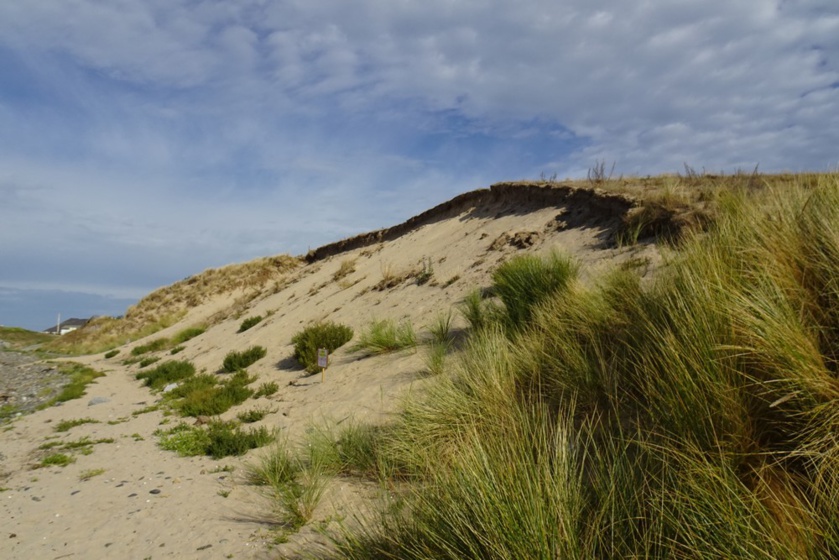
323, 361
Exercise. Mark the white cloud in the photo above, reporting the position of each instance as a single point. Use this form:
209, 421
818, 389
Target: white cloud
190, 134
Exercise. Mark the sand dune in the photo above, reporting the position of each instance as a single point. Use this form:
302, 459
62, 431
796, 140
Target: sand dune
152, 503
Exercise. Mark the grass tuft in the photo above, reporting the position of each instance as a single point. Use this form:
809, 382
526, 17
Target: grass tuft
249, 323
385, 336
235, 361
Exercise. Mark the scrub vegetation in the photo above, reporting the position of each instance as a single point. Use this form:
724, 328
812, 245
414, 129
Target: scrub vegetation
691, 417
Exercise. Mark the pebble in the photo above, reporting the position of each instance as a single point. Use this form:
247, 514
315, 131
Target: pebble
155, 491
98, 400
25, 383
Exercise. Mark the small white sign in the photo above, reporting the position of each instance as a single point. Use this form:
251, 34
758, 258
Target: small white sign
323, 357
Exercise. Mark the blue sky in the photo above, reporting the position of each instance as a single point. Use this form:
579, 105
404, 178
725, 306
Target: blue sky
142, 141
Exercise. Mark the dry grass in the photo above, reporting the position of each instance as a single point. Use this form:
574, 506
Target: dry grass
166, 306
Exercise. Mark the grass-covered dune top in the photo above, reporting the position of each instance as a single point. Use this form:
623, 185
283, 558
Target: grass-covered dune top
17, 338
696, 417
164, 307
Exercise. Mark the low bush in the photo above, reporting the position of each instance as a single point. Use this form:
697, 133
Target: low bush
266, 389
153, 346
187, 334
227, 438
111, 354
320, 335
249, 323
145, 362
204, 395
165, 373
253, 415
218, 440
240, 360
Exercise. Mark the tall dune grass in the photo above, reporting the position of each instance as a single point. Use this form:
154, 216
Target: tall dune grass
696, 418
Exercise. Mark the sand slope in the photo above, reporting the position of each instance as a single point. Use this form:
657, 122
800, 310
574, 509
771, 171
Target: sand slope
51, 513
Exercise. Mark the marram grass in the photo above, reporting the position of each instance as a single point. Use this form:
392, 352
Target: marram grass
693, 418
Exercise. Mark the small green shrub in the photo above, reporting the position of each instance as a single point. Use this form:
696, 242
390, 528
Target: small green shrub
253, 415
153, 346
226, 439
187, 334
175, 350
57, 460
203, 395
240, 360
145, 362
327, 335
386, 336
111, 354
249, 322
185, 440
166, 373
266, 390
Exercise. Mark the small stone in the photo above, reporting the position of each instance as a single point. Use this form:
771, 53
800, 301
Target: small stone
98, 400
155, 491
205, 547
132, 495
74, 492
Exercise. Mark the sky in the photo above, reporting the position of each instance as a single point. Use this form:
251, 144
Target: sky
144, 141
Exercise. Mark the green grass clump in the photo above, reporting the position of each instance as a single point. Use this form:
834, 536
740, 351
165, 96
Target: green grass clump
234, 361
266, 389
145, 362
218, 439
524, 281
65, 425
253, 415
165, 373
249, 323
110, 354
80, 377
693, 417
320, 335
186, 334
153, 346
478, 313
176, 350
385, 336
185, 440
56, 460
292, 481
204, 395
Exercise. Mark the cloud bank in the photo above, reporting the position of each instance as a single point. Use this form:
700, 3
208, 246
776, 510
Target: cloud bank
144, 141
